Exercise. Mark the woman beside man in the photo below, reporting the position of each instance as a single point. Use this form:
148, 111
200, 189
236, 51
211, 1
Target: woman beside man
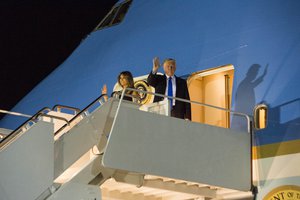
125, 80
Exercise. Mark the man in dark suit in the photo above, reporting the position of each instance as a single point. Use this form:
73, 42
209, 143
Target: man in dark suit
170, 85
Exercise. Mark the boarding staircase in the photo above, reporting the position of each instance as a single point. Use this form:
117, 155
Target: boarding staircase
127, 152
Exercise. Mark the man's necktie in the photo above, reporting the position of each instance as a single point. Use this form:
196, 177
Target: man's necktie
170, 91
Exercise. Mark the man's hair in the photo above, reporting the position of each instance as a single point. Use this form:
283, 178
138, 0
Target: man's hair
169, 60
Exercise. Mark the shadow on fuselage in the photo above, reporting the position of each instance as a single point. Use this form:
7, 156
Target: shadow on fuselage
245, 96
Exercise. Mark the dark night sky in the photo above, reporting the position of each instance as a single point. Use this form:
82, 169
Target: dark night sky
38, 35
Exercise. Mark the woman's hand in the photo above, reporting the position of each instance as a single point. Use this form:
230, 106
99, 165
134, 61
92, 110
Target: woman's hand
104, 89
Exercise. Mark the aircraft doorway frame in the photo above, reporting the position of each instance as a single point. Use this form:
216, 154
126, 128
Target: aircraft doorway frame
214, 87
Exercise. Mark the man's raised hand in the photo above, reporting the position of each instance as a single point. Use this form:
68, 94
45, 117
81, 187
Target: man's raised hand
156, 64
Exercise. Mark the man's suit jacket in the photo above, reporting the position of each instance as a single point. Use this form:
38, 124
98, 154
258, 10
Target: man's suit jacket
181, 109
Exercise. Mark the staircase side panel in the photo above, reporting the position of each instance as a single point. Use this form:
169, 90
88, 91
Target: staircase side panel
26, 164
170, 147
